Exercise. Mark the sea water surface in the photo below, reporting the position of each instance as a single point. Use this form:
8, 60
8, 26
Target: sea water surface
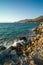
10, 31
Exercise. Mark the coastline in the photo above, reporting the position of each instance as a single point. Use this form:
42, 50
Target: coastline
37, 19
30, 51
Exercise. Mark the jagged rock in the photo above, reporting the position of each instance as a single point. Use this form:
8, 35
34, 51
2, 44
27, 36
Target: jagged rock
11, 48
23, 38
2, 48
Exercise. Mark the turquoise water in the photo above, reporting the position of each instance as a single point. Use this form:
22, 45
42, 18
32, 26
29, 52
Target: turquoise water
10, 31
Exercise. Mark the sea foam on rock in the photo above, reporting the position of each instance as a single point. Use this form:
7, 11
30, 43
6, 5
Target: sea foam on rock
21, 41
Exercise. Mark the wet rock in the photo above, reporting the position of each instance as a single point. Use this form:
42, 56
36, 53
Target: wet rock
23, 38
17, 49
10, 63
2, 48
11, 48
38, 61
26, 39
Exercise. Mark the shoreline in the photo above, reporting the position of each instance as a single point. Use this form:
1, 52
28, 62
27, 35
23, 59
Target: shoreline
31, 52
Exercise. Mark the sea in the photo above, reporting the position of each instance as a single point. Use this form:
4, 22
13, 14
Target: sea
10, 31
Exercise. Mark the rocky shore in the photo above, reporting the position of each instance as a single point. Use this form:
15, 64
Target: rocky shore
29, 52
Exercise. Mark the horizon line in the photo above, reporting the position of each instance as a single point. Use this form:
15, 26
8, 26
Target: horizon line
19, 20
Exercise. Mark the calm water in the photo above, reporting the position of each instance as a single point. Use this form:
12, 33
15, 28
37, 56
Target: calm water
10, 31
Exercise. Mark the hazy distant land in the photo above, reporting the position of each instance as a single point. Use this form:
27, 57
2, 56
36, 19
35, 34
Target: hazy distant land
38, 19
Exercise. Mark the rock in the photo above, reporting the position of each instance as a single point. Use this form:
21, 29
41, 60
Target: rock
38, 61
26, 39
11, 48
17, 49
32, 62
2, 48
10, 63
23, 38
20, 43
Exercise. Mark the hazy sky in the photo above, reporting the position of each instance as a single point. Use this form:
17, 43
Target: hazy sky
14, 10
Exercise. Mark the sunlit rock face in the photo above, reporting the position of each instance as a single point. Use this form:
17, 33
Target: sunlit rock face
39, 30
37, 41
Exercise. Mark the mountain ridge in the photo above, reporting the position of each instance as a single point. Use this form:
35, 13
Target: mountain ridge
38, 19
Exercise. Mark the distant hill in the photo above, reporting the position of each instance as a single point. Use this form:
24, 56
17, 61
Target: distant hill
38, 19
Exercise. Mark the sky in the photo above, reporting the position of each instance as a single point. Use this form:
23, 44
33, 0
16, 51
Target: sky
15, 10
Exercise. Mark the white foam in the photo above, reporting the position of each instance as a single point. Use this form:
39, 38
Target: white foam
7, 45
19, 41
15, 43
